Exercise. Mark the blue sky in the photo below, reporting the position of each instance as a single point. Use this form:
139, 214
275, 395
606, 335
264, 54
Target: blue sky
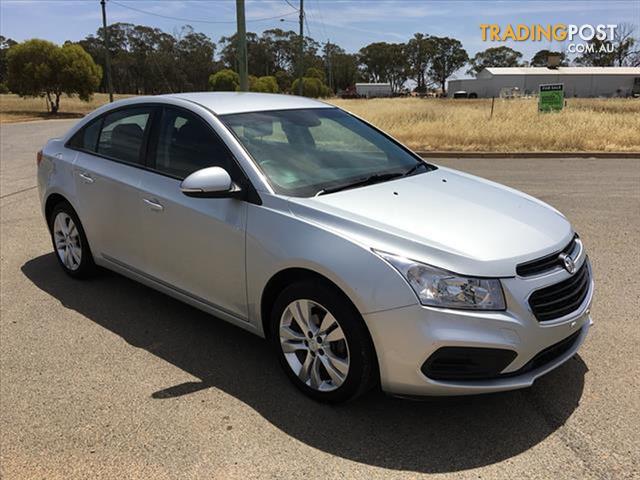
351, 24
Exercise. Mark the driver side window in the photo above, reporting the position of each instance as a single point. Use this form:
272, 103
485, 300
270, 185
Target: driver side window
186, 144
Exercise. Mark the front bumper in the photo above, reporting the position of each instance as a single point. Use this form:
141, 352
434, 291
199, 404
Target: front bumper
405, 337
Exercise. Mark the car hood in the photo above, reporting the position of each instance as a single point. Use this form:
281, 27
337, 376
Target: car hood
445, 218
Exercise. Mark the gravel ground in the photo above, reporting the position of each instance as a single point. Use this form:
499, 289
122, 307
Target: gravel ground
110, 379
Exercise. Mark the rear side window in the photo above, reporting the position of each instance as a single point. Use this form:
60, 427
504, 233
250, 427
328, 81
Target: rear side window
122, 134
186, 144
87, 137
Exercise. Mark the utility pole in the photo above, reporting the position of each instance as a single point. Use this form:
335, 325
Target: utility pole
329, 64
242, 47
107, 50
301, 52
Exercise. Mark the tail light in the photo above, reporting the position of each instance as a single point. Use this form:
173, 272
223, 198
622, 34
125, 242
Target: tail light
39, 157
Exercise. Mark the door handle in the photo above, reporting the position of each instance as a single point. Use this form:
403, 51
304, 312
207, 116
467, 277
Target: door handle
86, 177
153, 205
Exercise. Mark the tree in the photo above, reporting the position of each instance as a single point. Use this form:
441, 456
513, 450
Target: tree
599, 53
540, 58
621, 51
281, 47
225, 80
259, 58
194, 57
448, 57
385, 62
5, 45
315, 73
419, 51
284, 80
147, 60
37, 68
375, 59
398, 69
341, 68
625, 53
494, 57
345, 71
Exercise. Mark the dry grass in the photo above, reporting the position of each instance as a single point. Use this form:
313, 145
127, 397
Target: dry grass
446, 124
16, 109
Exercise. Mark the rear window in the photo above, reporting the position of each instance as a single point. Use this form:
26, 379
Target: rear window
122, 134
87, 137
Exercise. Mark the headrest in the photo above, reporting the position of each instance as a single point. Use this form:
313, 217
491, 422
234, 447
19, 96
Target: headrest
126, 131
189, 133
258, 129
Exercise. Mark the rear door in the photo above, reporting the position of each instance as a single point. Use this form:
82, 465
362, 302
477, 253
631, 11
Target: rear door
108, 177
196, 245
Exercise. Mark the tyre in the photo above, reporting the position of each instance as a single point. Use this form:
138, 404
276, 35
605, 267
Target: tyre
322, 342
70, 242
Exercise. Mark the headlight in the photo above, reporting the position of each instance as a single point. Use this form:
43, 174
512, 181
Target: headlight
439, 288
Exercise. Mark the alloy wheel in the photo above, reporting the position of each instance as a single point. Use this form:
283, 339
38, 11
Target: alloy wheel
67, 241
314, 345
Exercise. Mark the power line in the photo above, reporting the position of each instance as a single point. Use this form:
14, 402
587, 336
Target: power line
322, 24
306, 23
287, 2
192, 20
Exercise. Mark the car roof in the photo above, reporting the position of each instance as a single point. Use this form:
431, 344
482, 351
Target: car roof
223, 103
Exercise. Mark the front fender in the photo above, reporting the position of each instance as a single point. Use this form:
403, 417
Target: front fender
276, 240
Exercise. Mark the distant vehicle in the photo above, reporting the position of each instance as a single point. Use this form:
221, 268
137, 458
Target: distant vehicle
299, 222
371, 90
349, 92
510, 92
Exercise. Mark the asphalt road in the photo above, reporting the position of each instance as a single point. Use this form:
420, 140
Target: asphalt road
110, 379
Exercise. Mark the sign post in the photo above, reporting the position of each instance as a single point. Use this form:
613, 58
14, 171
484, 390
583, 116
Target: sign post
551, 98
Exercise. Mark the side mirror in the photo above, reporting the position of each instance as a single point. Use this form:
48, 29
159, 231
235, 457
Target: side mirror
211, 182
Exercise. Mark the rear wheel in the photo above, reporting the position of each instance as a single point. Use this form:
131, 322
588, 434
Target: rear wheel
322, 342
70, 242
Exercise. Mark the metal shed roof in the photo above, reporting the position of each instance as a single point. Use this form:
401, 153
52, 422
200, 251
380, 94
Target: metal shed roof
562, 71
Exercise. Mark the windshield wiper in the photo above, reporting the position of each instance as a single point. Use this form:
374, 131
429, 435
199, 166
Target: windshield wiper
414, 169
361, 182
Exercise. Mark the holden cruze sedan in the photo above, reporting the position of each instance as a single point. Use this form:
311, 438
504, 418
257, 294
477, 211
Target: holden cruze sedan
302, 223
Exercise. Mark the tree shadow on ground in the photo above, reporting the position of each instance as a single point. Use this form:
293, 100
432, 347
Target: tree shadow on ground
436, 435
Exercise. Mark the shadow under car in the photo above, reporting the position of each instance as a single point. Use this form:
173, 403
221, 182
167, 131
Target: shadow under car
435, 435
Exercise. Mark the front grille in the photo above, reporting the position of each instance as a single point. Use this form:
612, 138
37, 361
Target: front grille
561, 298
546, 263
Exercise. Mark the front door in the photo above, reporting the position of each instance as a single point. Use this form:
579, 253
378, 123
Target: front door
196, 245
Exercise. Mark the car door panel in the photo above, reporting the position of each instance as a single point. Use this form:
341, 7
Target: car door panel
196, 245
110, 209
107, 178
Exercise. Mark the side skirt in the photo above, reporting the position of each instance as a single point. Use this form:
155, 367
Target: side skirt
157, 284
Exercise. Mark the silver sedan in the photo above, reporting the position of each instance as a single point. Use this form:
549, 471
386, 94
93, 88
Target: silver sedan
362, 264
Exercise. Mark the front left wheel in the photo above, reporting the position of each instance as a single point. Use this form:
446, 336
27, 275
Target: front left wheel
322, 342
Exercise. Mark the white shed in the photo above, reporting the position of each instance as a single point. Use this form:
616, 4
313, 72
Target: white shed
578, 81
370, 90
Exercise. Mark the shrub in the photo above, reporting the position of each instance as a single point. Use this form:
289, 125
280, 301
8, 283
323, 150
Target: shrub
224, 81
311, 87
265, 85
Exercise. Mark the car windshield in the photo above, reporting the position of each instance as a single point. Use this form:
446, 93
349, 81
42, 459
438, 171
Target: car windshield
319, 150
